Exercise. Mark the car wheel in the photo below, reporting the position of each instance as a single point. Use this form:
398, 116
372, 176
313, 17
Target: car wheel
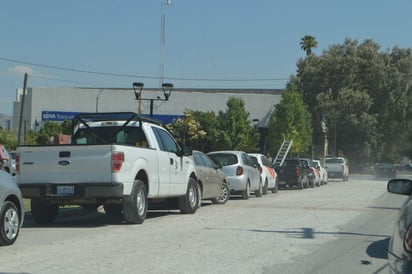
246, 192
189, 203
300, 184
9, 223
265, 187
312, 183
275, 189
259, 191
42, 212
224, 196
135, 205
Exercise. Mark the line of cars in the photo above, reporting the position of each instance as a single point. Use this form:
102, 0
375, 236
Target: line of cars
301, 173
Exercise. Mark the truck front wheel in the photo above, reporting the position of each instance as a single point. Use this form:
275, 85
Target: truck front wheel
43, 213
135, 205
189, 203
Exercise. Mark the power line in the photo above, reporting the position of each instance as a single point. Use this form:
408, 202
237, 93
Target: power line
141, 76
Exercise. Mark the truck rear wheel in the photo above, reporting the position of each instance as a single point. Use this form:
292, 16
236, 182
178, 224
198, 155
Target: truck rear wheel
135, 205
42, 212
189, 203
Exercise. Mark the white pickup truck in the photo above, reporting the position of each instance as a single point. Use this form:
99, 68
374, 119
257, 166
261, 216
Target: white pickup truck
337, 167
119, 160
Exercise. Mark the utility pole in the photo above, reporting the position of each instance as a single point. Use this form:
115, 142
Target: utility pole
22, 108
162, 38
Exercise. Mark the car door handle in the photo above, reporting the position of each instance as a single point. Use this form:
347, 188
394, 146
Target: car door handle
171, 161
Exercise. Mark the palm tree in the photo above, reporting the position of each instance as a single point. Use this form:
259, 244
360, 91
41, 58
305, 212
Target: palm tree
307, 43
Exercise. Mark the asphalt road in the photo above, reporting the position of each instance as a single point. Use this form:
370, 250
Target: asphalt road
342, 227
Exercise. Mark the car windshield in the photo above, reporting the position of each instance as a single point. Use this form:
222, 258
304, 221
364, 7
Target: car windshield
334, 161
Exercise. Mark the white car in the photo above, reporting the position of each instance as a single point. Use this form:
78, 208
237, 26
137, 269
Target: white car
323, 173
268, 174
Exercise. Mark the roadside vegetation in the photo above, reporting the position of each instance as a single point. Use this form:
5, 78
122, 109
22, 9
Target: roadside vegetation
353, 98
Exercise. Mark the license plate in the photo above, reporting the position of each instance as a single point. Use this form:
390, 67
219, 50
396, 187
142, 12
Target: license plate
282, 183
65, 190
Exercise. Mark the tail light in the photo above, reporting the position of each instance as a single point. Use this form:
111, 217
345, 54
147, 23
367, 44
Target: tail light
298, 170
17, 168
239, 171
310, 170
117, 161
260, 169
343, 167
407, 242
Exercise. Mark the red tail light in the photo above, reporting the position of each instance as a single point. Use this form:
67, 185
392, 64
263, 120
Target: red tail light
260, 169
298, 171
407, 242
17, 159
343, 167
310, 170
239, 171
117, 161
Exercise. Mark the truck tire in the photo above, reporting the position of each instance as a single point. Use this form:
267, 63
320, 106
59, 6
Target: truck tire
224, 195
246, 192
43, 213
9, 223
189, 203
135, 205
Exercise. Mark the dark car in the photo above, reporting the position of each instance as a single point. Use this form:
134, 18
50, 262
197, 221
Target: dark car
385, 170
293, 172
400, 245
211, 179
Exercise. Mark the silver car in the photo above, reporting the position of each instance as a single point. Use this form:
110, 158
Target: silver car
242, 172
12, 209
211, 179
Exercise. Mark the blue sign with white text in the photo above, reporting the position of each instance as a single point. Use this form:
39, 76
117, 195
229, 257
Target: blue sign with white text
57, 115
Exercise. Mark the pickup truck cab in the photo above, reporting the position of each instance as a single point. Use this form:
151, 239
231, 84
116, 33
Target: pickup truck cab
337, 167
119, 160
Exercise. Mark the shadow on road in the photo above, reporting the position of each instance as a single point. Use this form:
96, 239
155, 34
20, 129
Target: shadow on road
379, 249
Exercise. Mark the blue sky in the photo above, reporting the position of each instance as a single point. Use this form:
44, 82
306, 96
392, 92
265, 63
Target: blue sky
210, 43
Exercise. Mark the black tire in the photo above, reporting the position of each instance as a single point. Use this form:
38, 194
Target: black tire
224, 197
113, 209
135, 205
300, 184
189, 203
265, 188
275, 189
259, 191
246, 192
9, 223
43, 213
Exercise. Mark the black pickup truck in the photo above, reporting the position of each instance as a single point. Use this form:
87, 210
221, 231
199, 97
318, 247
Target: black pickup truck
293, 172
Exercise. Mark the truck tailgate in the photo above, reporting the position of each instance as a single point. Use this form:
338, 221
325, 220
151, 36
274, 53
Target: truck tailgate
65, 164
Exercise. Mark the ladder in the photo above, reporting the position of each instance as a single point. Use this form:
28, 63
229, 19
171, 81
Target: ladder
283, 152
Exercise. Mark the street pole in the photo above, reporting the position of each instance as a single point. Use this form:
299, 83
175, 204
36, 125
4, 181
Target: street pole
22, 108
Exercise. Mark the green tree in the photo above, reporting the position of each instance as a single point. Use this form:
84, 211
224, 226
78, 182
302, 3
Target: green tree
8, 139
235, 131
363, 95
48, 130
66, 127
307, 43
187, 130
290, 121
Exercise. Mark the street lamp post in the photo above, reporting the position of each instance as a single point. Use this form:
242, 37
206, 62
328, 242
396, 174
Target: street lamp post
138, 88
97, 101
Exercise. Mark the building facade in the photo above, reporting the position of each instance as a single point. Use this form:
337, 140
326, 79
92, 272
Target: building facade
39, 105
